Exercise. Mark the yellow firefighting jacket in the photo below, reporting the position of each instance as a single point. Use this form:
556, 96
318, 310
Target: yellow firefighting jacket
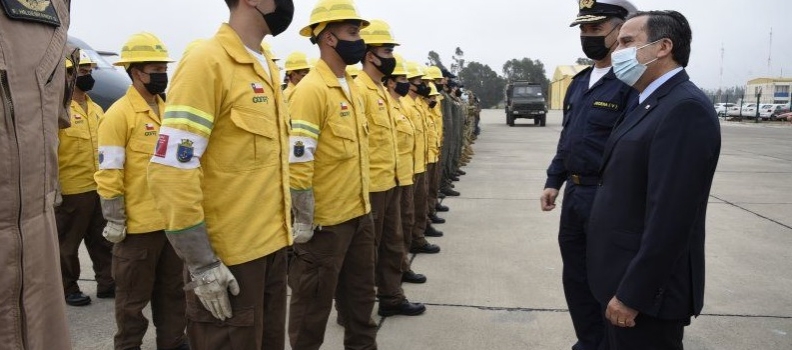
432, 140
127, 136
330, 146
405, 168
78, 149
413, 111
288, 91
383, 156
222, 155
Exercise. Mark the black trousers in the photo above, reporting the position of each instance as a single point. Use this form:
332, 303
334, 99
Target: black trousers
583, 307
649, 333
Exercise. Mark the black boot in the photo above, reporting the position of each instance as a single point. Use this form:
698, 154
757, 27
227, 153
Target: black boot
427, 248
412, 277
441, 208
436, 219
77, 299
406, 308
449, 192
460, 172
432, 232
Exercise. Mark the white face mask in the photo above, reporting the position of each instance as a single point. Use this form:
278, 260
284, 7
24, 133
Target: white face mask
626, 65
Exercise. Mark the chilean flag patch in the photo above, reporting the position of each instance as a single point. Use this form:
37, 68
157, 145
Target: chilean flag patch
257, 88
344, 106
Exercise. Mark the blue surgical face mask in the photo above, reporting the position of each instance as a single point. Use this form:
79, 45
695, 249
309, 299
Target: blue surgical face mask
626, 65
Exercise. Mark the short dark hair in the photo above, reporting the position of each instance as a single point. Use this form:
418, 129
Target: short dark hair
670, 25
232, 3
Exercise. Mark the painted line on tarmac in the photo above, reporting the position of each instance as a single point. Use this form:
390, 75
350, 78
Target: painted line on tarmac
752, 212
549, 310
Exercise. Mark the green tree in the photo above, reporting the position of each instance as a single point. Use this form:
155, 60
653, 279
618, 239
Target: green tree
484, 82
526, 69
584, 61
459, 61
435, 60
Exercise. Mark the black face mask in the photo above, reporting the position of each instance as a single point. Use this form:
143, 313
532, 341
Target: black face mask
432, 104
157, 84
594, 46
423, 90
459, 93
351, 52
280, 19
440, 87
85, 82
402, 88
387, 65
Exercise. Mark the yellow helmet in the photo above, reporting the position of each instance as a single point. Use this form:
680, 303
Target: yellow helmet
401, 65
353, 70
327, 11
143, 47
378, 33
296, 61
266, 48
84, 60
433, 89
433, 72
414, 70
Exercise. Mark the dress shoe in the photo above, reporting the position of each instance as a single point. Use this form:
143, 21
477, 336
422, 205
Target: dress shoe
107, 293
406, 308
436, 219
427, 248
451, 193
77, 299
411, 277
441, 208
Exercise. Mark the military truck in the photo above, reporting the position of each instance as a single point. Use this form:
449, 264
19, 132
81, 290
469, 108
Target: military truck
525, 100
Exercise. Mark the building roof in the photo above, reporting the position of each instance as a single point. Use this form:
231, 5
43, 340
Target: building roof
760, 81
562, 72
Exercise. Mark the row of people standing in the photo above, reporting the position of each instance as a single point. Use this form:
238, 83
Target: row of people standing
207, 192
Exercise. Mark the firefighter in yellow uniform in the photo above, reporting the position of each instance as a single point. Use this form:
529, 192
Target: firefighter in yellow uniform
334, 232
413, 108
145, 266
378, 63
297, 68
433, 134
398, 87
220, 175
434, 113
79, 216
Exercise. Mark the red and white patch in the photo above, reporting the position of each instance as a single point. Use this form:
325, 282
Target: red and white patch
77, 117
149, 127
344, 106
381, 103
162, 146
257, 88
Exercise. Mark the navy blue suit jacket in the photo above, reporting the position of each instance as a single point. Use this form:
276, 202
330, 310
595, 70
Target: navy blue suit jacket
646, 232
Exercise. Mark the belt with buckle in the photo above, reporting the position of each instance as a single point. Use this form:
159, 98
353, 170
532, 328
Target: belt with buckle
581, 180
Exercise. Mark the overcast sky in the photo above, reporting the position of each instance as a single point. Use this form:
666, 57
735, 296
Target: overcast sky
490, 32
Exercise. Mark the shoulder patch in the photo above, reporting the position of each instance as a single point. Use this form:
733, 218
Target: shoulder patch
42, 11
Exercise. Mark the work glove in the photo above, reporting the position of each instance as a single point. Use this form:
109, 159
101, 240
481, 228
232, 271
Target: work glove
303, 207
211, 279
212, 287
114, 211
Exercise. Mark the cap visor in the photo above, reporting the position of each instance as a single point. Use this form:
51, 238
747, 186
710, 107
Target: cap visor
588, 19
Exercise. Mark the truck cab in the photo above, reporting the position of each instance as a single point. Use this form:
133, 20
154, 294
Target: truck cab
525, 100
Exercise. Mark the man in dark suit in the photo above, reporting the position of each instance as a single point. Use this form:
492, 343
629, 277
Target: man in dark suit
646, 245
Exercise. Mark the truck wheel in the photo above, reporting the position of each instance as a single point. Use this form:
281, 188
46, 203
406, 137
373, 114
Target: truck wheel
536, 121
510, 120
543, 121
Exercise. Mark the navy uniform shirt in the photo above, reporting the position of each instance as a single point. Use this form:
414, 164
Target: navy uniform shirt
589, 118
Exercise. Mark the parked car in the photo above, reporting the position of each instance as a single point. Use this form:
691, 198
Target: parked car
749, 110
772, 111
734, 111
723, 108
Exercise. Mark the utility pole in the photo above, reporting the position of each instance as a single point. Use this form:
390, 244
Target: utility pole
720, 83
770, 55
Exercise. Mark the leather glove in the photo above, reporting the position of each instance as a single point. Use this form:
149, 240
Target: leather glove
303, 207
114, 211
211, 279
302, 233
212, 287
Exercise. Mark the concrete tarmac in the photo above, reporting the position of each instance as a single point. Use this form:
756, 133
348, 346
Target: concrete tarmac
497, 282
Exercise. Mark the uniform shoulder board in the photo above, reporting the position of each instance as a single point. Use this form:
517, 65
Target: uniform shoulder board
582, 72
42, 11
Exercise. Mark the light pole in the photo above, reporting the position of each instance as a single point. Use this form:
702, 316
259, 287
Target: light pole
758, 97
